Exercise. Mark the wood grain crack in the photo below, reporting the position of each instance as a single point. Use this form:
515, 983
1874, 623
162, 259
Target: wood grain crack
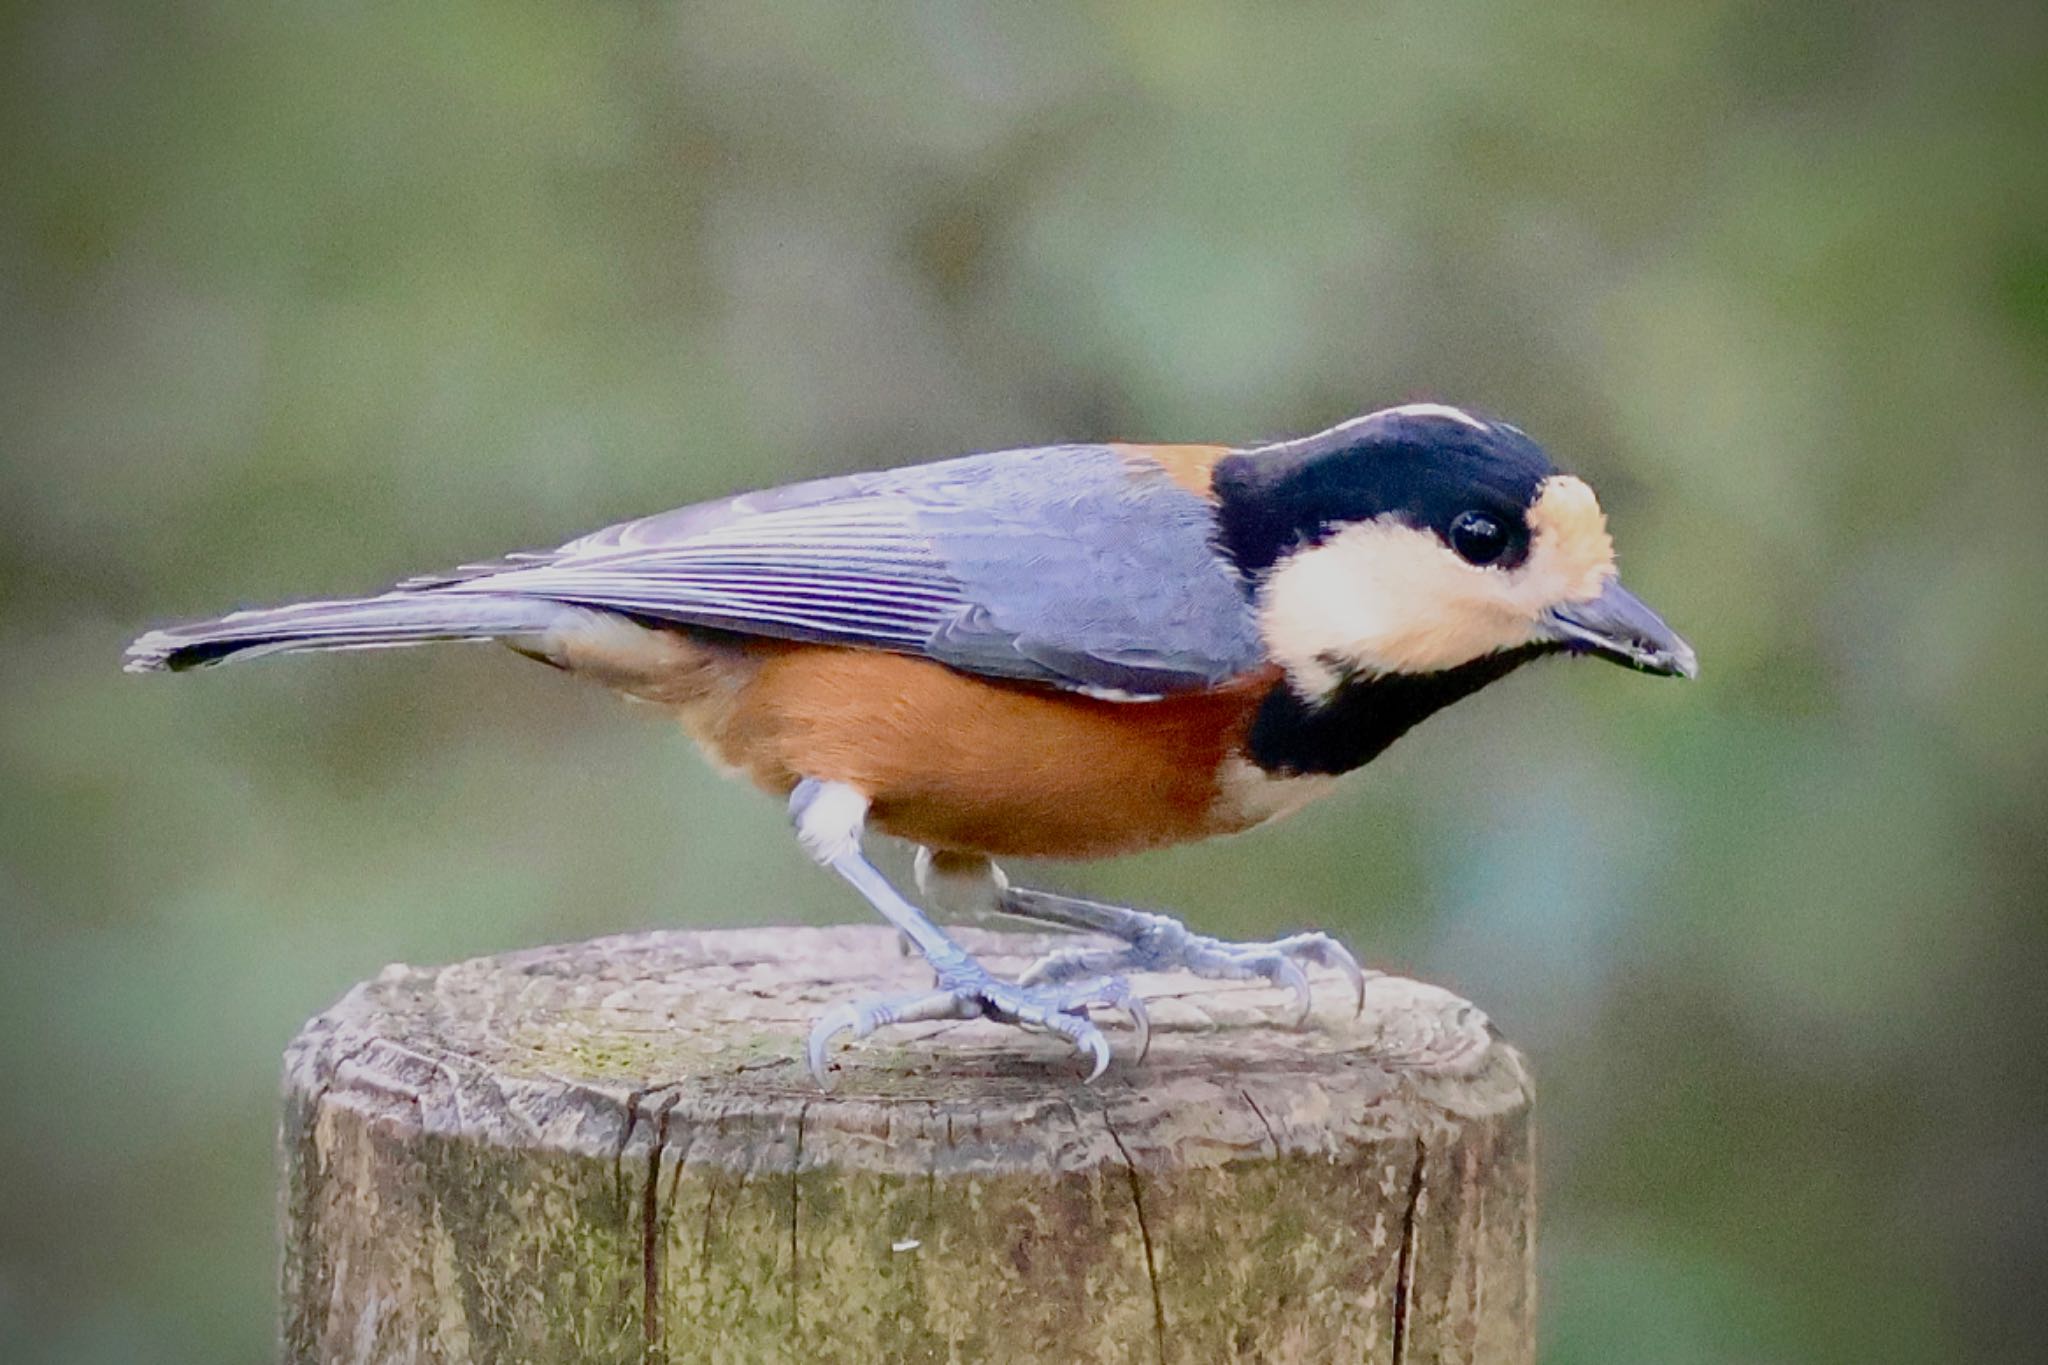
1404, 1268
652, 1244
795, 1195
1260, 1115
1144, 1237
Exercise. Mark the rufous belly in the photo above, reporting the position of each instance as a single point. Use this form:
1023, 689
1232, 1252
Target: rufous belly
948, 759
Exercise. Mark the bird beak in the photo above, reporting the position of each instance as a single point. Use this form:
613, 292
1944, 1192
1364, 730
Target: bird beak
1618, 625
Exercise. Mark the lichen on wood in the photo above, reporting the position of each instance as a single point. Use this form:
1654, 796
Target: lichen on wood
611, 1151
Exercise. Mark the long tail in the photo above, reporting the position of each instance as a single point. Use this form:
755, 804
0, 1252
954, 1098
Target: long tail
397, 618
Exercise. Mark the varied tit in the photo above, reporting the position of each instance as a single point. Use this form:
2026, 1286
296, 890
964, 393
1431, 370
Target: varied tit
1066, 651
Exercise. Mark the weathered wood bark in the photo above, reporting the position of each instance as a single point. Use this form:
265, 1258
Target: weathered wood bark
610, 1151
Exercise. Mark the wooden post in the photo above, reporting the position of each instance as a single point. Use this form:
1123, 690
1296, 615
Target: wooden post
611, 1151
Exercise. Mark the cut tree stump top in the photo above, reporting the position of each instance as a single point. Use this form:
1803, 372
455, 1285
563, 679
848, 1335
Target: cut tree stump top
613, 1150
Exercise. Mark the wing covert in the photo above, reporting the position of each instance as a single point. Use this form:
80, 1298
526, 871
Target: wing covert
1067, 565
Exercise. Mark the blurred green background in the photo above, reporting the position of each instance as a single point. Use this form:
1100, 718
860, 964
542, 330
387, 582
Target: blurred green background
298, 298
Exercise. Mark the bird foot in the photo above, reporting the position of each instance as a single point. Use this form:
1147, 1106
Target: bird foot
970, 991
1159, 943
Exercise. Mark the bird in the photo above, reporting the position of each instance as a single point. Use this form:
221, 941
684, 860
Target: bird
1066, 651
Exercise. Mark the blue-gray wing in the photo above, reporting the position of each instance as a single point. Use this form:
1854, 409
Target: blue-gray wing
1068, 565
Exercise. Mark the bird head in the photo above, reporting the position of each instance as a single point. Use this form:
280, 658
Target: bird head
1422, 539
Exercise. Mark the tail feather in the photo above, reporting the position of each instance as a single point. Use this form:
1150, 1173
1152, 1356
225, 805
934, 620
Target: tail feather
394, 619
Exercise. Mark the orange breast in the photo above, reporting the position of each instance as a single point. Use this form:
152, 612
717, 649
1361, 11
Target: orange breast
958, 762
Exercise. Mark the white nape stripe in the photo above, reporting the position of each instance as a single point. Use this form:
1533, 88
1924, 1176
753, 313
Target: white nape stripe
1443, 410
1336, 434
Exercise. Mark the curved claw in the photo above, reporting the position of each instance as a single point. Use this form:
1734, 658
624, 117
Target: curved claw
1285, 972
1116, 993
1141, 1023
1092, 1041
1067, 1015
1349, 966
839, 1019
1325, 951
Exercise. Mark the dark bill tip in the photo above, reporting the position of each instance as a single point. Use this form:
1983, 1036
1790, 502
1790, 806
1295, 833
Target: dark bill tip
1620, 626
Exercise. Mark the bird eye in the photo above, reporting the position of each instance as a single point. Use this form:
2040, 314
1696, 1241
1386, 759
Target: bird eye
1477, 538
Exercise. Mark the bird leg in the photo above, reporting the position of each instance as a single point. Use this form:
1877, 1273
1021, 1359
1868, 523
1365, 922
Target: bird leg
1157, 943
829, 817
